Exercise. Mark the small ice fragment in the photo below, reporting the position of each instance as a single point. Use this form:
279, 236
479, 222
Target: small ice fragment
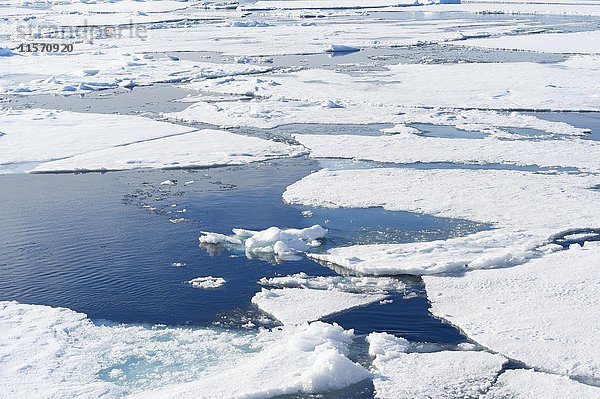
216, 238
178, 264
187, 183
169, 183
307, 214
340, 48
331, 105
177, 220
386, 301
207, 282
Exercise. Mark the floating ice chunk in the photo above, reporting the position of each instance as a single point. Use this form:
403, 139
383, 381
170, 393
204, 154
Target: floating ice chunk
530, 384
543, 313
249, 24
169, 183
187, 183
308, 358
216, 238
282, 244
294, 306
379, 285
178, 264
207, 282
177, 220
331, 105
340, 48
307, 214
447, 374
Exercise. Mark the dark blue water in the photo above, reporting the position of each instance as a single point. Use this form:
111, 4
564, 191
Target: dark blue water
91, 243
583, 120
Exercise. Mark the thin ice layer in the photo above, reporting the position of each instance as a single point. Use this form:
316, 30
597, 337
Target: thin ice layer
543, 313
200, 148
446, 374
295, 306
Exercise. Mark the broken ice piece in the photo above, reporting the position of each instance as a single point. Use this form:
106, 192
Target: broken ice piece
207, 282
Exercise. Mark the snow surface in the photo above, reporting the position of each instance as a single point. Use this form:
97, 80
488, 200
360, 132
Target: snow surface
295, 306
543, 313
368, 285
529, 384
526, 208
282, 244
410, 148
200, 148
446, 374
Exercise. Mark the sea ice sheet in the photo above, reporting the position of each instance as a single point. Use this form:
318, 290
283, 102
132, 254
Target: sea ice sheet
200, 148
295, 306
446, 374
543, 313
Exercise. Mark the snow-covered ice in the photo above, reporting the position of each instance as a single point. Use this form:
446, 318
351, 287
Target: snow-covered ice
370, 285
56, 352
567, 85
36, 135
308, 358
446, 374
295, 306
403, 148
282, 244
199, 148
543, 313
530, 384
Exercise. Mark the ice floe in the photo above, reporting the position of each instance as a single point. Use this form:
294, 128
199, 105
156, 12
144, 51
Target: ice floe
295, 306
527, 210
36, 135
199, 148
530, 384
543, 313
282, 244
308, 358
370, 285
403, 148
571, 43
207, 282
269, 113
446, 374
